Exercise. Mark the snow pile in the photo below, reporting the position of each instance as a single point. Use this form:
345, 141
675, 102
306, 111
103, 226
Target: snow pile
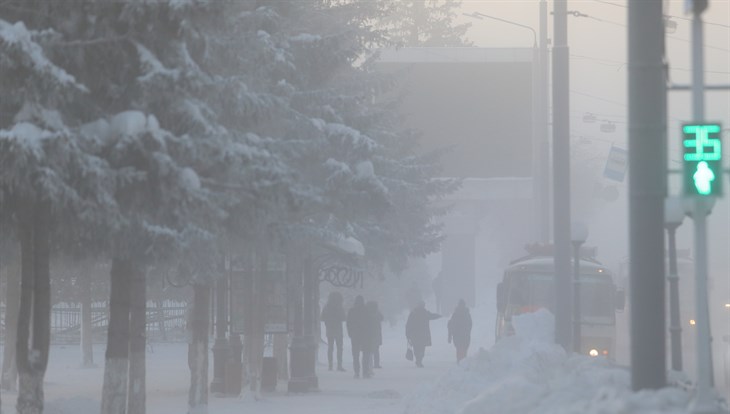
528, 373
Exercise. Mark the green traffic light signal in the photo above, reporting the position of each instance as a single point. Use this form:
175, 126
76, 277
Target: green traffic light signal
702, 159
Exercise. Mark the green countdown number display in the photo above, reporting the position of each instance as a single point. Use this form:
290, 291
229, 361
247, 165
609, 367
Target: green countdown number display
702, 159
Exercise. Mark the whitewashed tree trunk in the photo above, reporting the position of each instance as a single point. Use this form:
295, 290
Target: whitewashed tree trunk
87, 348
114, 391
255, 341
198, 351
35, 309
281, 347
137, 396
113, 394
12, 302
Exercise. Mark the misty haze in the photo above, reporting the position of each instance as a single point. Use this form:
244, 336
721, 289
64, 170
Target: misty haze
364, 206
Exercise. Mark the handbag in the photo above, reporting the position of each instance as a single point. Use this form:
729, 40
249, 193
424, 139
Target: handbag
409, 353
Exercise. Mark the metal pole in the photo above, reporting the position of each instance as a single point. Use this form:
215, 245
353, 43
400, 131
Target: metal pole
543, 128
576, 298
675, 327
704, 401
561, 177
647, 188
538, 202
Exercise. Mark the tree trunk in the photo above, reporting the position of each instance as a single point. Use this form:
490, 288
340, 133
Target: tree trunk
114, 391
281, 344
198, 351
87, 349
255, 341
137, 397
12, 302
161, 320
35, 309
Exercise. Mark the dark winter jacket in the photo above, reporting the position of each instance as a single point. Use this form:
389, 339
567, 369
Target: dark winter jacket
418, 330
460, 327
333, 315
357, 322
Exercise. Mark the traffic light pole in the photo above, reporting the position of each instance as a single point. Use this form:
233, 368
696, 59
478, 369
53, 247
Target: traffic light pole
647, 189
705, 401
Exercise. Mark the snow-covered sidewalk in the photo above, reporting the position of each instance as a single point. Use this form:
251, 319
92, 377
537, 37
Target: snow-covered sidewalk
523, 374
71, 389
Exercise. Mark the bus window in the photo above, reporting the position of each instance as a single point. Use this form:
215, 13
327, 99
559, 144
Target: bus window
596, 297
530, 292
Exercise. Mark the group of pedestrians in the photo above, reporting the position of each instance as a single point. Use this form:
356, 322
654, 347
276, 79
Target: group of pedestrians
418, 330
364, 327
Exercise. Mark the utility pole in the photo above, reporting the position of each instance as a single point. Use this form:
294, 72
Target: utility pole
561, 177
543, 136
647, 187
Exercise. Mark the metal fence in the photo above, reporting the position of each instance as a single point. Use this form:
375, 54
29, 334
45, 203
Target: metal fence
166, 321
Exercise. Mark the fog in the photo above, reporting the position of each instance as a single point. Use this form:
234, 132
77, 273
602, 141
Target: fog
310, 206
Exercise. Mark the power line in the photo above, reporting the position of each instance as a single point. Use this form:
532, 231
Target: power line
610, 62
598, 98
666, 15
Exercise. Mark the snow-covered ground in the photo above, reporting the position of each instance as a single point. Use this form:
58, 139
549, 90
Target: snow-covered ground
526, 373
71, 389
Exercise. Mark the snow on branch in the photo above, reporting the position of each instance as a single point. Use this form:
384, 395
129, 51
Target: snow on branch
17, 37
152, 66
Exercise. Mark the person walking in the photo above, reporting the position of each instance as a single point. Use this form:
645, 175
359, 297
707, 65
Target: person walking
375, 321
460, 330
333, 316
418, 330
357, 330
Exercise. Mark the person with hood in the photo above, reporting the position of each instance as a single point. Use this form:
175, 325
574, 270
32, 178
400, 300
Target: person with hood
357, 329
333, 316
375, 332
418, 330
460, 330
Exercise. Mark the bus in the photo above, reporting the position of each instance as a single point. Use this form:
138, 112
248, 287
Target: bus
528, 285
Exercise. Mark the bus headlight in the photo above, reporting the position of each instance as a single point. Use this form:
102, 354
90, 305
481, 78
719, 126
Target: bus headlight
593, 352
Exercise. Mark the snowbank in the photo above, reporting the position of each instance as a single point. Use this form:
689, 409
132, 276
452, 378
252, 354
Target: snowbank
528, 373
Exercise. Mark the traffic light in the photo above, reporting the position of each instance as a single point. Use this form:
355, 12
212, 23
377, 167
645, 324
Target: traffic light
702, 159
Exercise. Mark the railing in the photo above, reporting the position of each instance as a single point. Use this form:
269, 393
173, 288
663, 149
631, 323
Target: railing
166, 321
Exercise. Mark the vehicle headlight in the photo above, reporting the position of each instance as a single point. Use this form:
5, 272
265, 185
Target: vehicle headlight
593, 352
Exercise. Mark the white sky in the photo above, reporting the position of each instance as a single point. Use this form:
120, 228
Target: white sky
598, 55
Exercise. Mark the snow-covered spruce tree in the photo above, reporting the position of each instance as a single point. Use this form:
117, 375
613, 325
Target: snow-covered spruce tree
186, 71
155, 186
38, 184
379, 190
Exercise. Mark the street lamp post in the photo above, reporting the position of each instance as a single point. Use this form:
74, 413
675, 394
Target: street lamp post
673, 216
578, 236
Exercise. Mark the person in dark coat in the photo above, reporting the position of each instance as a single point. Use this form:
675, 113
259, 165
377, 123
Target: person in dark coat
460, 330
418, 330
357, 329
376, 331
333, 316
